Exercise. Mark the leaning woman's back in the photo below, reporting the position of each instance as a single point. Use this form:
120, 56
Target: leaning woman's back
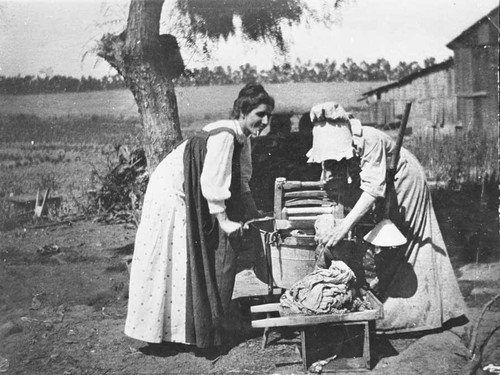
419, 288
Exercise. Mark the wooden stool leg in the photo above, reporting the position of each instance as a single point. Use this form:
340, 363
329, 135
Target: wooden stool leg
366, 345
304, 351
264, 337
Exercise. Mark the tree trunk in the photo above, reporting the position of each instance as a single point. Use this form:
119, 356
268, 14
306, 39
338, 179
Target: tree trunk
148, 62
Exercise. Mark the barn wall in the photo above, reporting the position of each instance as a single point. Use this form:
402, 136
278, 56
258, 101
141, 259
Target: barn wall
464, 96
476, 65
477, 92
433, 98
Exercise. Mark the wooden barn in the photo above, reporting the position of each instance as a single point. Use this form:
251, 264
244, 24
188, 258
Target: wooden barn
459, 93
476, 74
432, 92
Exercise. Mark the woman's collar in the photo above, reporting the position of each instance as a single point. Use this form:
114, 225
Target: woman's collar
357, 135
240, 136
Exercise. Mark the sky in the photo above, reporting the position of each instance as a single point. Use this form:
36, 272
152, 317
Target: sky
57, 36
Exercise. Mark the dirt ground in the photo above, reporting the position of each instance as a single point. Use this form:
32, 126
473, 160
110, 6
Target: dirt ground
63, 296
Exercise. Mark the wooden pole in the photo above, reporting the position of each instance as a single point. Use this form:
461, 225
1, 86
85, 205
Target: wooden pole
394, 160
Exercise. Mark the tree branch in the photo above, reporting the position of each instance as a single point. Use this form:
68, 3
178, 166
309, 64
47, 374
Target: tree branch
143, 25
110, 49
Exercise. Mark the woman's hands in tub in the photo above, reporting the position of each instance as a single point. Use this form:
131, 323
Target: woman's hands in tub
333, 236
227, 225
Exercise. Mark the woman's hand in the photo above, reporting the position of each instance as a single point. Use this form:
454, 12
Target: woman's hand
362, 206
334, 236
227, 225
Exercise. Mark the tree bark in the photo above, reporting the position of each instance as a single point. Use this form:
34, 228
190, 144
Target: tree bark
148, 62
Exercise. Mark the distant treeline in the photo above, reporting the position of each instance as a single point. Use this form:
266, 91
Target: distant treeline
327, 71
46, 85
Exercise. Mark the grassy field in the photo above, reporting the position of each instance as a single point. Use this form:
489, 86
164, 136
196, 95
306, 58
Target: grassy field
62, 141
195, 103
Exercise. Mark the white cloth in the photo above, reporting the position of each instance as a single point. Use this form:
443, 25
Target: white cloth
323, 291
216, 175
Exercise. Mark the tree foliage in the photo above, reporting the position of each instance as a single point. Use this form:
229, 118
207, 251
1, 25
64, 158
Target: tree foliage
261, 20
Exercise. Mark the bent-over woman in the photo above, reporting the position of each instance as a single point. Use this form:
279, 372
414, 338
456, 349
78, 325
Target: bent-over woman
417, 285
184, 262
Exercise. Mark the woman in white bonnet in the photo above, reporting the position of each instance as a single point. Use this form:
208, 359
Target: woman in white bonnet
417, 284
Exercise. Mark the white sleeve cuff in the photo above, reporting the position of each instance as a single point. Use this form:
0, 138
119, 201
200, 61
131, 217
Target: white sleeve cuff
216, 207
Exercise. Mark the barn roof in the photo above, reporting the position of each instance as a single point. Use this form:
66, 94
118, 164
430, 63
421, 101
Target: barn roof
409, 78
490, 17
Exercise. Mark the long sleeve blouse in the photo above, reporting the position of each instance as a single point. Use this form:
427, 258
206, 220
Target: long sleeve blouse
216, 175
374, 148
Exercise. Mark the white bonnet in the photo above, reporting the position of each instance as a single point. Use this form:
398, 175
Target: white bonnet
332, 136
328, 111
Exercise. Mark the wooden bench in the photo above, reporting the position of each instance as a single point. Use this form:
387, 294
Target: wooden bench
304, 322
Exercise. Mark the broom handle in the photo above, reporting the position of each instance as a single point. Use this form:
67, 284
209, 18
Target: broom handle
395, 158
399, 140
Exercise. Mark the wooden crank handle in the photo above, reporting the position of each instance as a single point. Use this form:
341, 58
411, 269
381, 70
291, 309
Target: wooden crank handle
257, 220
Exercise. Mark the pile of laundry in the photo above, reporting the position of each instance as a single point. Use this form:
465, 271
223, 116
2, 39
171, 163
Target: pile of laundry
324, 291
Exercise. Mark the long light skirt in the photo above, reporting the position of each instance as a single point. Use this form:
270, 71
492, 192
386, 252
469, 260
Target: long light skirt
423, 293
157, 291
